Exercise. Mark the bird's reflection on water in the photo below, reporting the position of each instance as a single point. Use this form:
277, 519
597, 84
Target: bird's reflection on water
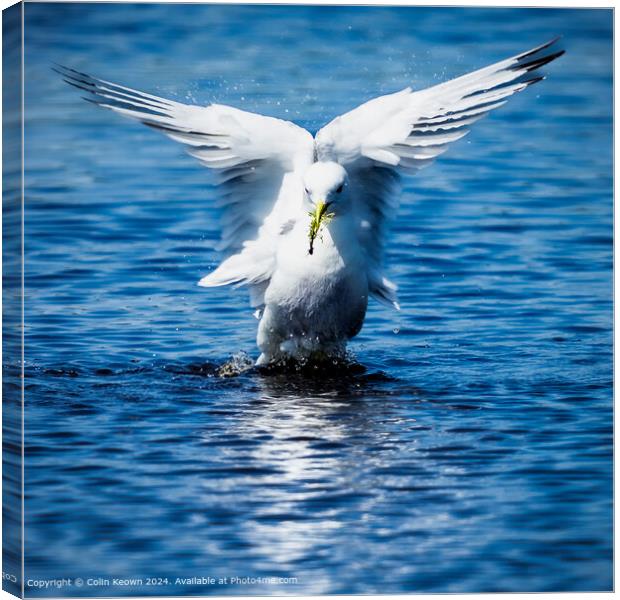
326, 448
308, 432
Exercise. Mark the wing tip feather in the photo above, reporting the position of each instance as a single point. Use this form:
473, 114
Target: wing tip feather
537, 63
540, 48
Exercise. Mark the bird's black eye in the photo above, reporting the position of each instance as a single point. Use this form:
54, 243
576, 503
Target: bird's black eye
339, 189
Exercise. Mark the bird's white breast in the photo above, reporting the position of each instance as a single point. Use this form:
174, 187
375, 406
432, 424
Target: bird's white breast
320, 296
337, 256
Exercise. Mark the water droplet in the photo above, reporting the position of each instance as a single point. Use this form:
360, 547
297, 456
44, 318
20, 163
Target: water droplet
396, 330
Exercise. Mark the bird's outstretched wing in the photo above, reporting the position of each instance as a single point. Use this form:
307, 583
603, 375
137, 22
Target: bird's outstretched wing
258, 162
407, 130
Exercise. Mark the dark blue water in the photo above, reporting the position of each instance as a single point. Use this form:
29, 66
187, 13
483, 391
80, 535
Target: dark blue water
475, 451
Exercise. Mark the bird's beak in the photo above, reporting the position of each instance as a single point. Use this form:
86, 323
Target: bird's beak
318, 217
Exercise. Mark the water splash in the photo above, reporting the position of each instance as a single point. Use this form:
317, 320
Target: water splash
239, 363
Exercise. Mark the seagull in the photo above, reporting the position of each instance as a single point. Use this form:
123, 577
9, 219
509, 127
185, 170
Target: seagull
305, 217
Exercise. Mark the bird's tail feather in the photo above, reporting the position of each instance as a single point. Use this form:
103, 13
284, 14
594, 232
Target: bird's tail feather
383, 290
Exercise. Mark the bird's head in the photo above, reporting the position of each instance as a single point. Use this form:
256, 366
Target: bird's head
325, 195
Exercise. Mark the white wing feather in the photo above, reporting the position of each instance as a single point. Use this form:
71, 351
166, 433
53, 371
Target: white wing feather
258, 162
406, 131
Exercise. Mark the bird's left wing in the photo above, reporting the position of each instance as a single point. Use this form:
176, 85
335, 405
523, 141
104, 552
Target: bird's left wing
406, 131
257, 160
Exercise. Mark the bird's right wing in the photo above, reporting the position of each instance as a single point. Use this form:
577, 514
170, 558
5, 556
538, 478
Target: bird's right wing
257, 160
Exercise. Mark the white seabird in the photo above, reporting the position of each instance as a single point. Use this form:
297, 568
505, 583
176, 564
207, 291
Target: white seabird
304, 219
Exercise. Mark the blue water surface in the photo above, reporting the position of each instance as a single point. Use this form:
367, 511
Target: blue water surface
474, 454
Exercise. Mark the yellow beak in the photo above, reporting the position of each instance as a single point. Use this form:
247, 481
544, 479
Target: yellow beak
318, 217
